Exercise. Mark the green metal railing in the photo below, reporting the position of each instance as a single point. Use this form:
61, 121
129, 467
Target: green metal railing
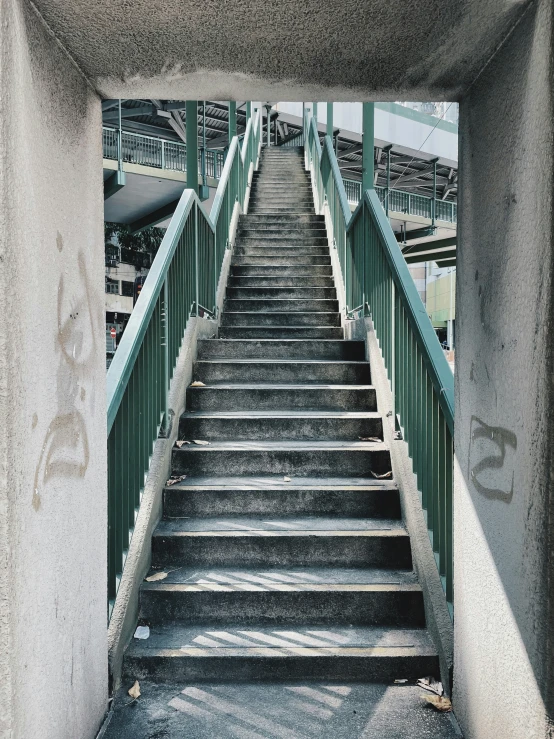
405, 202
182, 282
296, 139
153, 152
378, 283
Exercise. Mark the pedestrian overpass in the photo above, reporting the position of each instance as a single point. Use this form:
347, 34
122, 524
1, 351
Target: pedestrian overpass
481, 587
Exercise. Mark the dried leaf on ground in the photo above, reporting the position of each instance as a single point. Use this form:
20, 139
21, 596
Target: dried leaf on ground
401, 682
158, 576
134, 692
439, 702
369, 438
197, 383
200, 442
384, 476
286, 479
430, 684
174, 479
181, 443
142, 632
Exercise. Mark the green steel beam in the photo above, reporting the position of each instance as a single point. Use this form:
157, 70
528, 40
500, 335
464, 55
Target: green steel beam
314, 112
192, 144
330, 120
232, 119
429, 245
114, 183
248, 110
157, 216
432, 255
129, 112
368, 161
417, 233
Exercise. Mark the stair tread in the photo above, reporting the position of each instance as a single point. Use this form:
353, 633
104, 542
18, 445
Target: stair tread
278, 386
279, 527
263, 415
176, 639
276, 482
305, 578
297, 341
293, 446
251, 709
230, 360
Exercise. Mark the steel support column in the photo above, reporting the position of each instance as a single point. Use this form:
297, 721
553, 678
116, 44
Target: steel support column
268, 110
330, 120
232, 119
191, 108
368, 161
434, 201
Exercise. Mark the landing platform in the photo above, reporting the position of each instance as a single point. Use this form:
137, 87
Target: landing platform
278, 711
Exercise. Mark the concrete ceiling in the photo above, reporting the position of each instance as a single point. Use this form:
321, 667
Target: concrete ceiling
282, 49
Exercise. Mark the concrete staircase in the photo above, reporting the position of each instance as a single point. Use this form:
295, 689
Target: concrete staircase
287, 557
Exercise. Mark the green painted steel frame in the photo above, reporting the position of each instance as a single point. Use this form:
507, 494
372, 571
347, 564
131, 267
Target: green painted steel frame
183, 278
377, 278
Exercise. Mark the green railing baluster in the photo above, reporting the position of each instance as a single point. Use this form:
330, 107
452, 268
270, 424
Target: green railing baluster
183, 277
374, 270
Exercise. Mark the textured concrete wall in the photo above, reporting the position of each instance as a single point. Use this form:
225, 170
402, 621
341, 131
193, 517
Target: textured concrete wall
289, 50
504, 392
53, 653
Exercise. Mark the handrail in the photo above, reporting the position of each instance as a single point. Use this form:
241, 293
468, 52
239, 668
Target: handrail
183, 279
154, 151
376, 277
410, 203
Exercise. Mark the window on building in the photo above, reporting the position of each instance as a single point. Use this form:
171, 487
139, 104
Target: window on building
112, 286
127, 288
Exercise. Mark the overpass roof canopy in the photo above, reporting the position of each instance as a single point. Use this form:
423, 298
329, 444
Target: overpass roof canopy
286, 50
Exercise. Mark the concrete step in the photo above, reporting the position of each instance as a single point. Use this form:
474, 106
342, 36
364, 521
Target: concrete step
341, 351
287, 318
251, 248
245, 396
280, 425
286, 188
288, 293
280, 332
290, 233
272, 220
301, 459
260, 239
281, 542
281, 270
273, 258
316, 595
293, 199
357, 653
284, 304
254, 709
274, 210
287, 371
272, 496
274, 281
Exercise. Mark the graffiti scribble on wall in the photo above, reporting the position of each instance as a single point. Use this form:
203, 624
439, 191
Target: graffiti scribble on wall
492, 460
64, 452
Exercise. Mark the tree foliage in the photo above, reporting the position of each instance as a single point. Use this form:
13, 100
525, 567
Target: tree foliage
148, 240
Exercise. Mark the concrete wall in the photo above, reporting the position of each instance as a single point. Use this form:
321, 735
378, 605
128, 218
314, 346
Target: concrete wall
503, 678
53, 653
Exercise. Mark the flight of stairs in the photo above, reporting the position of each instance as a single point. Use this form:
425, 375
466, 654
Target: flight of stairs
286, 555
